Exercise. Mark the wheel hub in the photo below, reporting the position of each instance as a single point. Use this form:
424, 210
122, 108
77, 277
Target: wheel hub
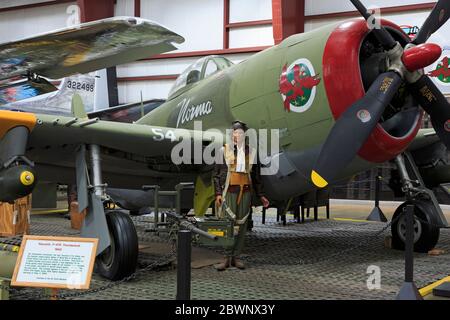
401, 229
107, 257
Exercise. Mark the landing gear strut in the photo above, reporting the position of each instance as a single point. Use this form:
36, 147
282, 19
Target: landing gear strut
117, 251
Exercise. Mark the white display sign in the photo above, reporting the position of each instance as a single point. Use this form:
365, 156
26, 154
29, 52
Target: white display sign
55, 262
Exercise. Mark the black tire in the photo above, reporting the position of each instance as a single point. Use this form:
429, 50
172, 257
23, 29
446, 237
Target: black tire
120, 259
426, 236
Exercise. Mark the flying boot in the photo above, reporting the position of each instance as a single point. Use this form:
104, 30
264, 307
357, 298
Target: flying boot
236, 262
224, 264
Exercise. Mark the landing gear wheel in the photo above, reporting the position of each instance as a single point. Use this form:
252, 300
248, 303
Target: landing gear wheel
120, 259
425, 235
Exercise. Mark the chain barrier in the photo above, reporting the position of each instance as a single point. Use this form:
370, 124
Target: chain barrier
152, 266
362, 243
325, 258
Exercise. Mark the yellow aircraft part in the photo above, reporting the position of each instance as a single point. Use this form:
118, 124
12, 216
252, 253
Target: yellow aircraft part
27, 178
318, 180
11, 119
203, 196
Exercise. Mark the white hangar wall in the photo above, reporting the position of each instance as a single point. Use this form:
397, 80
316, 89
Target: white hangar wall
201, 23
124, 8
315, 7
234, 28
21, 23
250, 10
251, 36
15, 3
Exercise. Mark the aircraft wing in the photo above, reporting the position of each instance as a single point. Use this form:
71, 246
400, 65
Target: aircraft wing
143, 140
86, 47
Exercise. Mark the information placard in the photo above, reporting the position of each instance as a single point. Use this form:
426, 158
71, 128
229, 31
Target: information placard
55, 262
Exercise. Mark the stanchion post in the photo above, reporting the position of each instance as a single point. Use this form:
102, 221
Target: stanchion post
184, 265
377, 214
377, 190
156, 205
409, 290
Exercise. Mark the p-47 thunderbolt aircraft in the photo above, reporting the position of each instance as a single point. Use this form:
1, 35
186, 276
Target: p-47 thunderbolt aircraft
344, 97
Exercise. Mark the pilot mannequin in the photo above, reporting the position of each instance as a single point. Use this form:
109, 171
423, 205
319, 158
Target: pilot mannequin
234, 180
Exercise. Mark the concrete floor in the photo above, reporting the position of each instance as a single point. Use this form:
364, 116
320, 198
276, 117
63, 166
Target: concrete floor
325, 259
360, 209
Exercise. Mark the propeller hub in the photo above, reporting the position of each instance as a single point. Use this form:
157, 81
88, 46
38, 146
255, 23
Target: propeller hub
421, 56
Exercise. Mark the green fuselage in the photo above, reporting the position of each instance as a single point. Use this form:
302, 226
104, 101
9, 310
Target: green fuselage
250, 92
253, 91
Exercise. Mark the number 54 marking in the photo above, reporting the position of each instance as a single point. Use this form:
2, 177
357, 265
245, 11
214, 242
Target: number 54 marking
160, 136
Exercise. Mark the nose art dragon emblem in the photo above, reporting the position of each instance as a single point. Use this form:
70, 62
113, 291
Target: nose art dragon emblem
298, 85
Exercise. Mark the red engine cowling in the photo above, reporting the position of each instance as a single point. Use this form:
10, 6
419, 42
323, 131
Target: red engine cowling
344, 85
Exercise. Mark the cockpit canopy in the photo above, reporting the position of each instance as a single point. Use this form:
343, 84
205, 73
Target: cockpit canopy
199, 70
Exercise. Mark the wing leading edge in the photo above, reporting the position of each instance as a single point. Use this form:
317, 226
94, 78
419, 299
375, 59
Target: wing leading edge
85, 48
144, 140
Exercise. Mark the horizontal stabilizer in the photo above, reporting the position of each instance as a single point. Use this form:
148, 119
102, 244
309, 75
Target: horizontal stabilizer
128, 112
25, 89
59, 102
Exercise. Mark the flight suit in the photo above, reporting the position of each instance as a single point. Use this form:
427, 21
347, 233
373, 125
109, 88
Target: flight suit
237, 187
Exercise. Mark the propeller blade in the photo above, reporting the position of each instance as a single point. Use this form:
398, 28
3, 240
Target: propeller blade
353, 128
385, 38
438, 16
435, 104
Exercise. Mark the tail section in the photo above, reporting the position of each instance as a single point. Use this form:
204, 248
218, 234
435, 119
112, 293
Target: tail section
15, 91
59, 102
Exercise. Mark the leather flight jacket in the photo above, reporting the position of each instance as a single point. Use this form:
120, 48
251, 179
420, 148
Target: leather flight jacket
252, 177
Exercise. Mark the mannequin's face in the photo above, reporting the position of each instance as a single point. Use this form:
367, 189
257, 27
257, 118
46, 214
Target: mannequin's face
238, 136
